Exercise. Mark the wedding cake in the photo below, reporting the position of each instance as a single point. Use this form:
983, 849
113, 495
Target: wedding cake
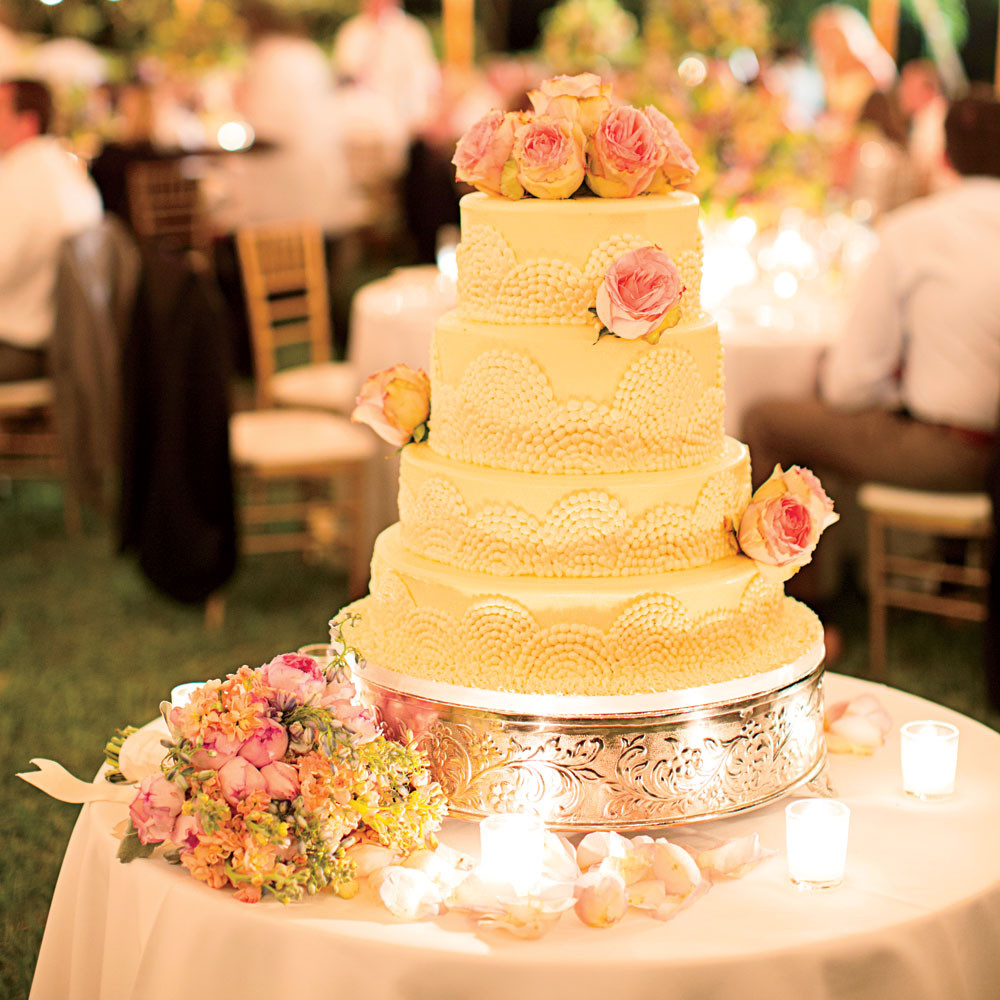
571, 512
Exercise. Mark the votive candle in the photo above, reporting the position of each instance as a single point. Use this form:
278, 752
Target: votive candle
929, 758
181, 695
816, 842
512, 847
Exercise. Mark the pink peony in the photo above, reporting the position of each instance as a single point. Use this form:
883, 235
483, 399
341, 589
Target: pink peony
396, 404
624, 155
679, 166
295, 676
216, 750
640, 294
267, 743
282, 780
238, 779
155, 807
549, 157
483, 150
582, 99
784, 520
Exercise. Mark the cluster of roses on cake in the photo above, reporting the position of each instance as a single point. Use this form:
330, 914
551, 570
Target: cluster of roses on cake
272, 774
575, 136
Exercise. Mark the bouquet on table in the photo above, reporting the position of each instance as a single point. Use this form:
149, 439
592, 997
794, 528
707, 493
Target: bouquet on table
268, 778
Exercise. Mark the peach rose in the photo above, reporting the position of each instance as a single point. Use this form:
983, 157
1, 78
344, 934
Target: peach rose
484, 150
396, 404
548, 153
783, 521
679, 166
624, 155
582, 99
640, 294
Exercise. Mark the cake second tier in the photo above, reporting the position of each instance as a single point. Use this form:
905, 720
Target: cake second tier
621, 635
521, 524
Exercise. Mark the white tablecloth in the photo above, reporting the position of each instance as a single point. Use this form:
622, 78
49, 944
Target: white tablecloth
918, 916
392, 321
772, 350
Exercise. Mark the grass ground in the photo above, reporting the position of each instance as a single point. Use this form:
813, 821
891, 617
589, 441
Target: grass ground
86, 646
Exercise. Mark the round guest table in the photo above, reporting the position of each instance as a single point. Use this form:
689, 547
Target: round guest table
918, 916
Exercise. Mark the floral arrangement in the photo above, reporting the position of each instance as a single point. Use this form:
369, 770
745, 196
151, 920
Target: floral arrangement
573, 138
581, 34
396, 404
269, 777
783, 522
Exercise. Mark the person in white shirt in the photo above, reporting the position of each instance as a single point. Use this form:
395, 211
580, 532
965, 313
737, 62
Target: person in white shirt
45, 197
910, 393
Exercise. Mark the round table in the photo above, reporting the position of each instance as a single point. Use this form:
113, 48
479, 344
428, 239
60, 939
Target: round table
392, 321
918, 916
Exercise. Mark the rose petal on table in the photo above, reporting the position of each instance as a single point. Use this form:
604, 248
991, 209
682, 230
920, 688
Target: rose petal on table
601, 898
733, 858
647, 895
634, 867
675, 868
369, 858
595, 847
674, 904
141, 754
858, 725
409, 894
559, 859
439, 867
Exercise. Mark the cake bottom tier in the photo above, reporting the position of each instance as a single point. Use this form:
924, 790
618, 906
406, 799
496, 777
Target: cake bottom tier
622, 635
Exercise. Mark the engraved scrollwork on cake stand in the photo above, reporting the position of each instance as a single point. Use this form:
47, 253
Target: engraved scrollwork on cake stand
612, 770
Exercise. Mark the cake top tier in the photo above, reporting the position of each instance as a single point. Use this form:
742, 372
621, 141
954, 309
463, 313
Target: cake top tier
575, 139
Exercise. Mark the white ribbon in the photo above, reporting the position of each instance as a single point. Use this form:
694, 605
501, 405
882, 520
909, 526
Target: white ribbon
55, 780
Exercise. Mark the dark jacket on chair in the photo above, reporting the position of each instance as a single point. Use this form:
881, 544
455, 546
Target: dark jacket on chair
177, 510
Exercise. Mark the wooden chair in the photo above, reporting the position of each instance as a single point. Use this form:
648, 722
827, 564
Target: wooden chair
166, 207
965, 516
285, 281
302, 476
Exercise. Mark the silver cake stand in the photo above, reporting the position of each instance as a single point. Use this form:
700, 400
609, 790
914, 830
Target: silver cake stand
613, 763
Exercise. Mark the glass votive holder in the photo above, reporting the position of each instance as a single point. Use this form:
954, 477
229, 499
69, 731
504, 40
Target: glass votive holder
928, 753
816, 842
321, 652
181, 694
512, 849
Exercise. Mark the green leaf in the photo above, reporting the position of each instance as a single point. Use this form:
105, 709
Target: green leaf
132, 847
510, 187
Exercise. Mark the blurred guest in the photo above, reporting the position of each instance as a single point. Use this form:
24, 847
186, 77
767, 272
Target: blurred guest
133, 144
850, 58
910, 392
45, 196
877, 161
385, 50
925, 106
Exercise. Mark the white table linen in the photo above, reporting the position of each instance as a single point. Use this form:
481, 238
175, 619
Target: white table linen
392, 322
918, 916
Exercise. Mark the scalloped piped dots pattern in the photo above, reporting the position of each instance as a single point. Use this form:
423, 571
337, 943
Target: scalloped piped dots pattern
495, 288
504, 414
653, 644
587, 534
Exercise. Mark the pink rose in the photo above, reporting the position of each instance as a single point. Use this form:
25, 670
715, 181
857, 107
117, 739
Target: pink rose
582, 99
238, 779
624, 155
640, 294
549, 157
396, 404
679, 166
267, 743
216, 750
783, 522
482, 152
155, 807
282, 780
295, 676
186, 833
